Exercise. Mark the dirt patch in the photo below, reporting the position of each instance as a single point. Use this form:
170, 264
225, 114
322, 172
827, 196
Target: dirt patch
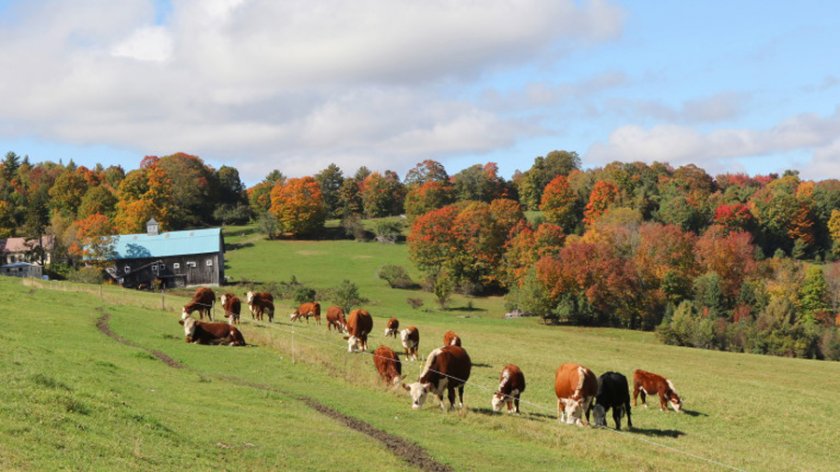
406, 450
102, 325
309, 252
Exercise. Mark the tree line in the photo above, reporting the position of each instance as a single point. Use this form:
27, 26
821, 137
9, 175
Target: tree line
728, 261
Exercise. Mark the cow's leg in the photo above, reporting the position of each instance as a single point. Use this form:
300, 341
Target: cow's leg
516, 403
663, 404
461, 396
451, 395
561, 410
643, 394
617, 410
627, 409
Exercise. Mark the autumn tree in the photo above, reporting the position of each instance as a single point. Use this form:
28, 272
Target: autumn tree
559, 203
349, 199
731, 256
94, 241
426, 171
604, 195
298, 206
428, 196
67, 192
543, 171
479, 182
98, 199
382, 195
734, 217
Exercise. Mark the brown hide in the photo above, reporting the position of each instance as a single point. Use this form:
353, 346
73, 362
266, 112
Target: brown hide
306, 310
392, 326
202, 302
216, 333
359, 325
511, 386
232, 306
262, 303
411, 342
451, 362
335, 318
451, 339
648, 383
388, 364
568, 386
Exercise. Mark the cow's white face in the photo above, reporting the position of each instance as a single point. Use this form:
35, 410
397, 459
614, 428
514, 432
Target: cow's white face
404, 338
189, 327
676, 404
223, 299
497, 401
572, 411
600, 415
418, 392
353, 344
184, 314
250, 297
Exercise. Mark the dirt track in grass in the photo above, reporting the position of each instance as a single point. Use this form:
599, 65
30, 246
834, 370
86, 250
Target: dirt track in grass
407, 451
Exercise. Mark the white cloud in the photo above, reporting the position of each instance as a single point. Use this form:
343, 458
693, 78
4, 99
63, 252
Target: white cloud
292, 85
717, 150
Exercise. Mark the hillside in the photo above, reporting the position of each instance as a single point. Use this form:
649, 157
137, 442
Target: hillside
144, 399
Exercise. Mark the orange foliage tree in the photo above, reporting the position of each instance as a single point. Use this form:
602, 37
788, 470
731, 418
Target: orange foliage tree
94, 240
298, 206
730, 255
558, 203
604, 194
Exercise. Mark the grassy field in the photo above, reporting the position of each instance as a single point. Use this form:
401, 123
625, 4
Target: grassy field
77, 398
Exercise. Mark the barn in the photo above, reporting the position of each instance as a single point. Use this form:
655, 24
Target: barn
171, 258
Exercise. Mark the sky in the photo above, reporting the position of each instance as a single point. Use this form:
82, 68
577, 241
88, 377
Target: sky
731, 86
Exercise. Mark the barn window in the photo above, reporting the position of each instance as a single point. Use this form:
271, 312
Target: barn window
191, 264
155, 268
209, 262
162, 266
176, 265
127, 269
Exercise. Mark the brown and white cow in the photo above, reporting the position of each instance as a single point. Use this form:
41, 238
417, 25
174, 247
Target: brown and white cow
511, 386
336, 319
446, 369
232, 307
359, 325
202, 332
648, 383
575, 387
391, 327
202, 302
451, 339
305, 310
260, 303
410, 338
388, 364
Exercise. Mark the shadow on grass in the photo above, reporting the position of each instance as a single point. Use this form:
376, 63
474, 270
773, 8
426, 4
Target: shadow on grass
480, 365
465, 308
235, 246
542, 417
694, 413
664, 433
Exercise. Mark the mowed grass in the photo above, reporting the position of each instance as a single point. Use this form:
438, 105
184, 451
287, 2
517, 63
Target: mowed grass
78, 399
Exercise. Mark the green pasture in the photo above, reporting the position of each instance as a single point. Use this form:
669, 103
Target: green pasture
78, 399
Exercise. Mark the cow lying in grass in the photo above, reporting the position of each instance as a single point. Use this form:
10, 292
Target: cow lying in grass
202, 332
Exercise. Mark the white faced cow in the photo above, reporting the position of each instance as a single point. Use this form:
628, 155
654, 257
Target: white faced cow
446, 369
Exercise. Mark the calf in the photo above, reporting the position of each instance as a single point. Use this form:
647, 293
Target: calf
391, 327
336, 319
410, 338
614, 393
359, 325
388, 364
202, 302
232, 307
648, 383
201, 332
446, 369
305, 310
511, 386
451, 339
260, 303
575, 387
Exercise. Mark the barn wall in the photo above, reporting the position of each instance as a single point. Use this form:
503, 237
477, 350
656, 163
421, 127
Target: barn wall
193, 269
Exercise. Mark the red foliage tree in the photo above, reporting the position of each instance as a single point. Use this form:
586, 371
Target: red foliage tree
734, 217
604, 194
730, 255
298, 206
558, 203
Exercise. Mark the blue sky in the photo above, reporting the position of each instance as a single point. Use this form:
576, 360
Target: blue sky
729, 86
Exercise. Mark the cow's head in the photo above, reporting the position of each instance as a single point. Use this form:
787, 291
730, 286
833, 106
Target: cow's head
189, 324
184, 314
293, 316
249, 296
417, 391
223, 299
674, 400
353, 343
497, 401
600, 415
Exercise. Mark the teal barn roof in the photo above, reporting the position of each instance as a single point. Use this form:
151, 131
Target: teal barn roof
168, 244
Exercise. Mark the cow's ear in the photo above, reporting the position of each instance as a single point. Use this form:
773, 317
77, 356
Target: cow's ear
181, 322
406, 387
427, 387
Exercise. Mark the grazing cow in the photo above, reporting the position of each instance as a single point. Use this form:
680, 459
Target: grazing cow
446, 369
614, 393
410, 338
232, 307
359, 325
336, 319
260, 303
306, 310
391, 327
201, 332
451, 339
648, 383
388, 364
202, 302
576, 387
511, 386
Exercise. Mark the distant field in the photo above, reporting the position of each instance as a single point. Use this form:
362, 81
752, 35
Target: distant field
77, 398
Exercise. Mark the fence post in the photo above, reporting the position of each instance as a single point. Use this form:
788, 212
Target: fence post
162, 300
101, 299
293, 345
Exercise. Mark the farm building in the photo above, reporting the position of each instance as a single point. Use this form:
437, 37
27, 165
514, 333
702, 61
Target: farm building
21, 269
174, 258
36, 250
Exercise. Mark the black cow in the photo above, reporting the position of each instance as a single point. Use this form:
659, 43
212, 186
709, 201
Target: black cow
613, 392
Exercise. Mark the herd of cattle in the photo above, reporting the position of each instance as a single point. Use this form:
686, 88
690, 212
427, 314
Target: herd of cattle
447, 368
